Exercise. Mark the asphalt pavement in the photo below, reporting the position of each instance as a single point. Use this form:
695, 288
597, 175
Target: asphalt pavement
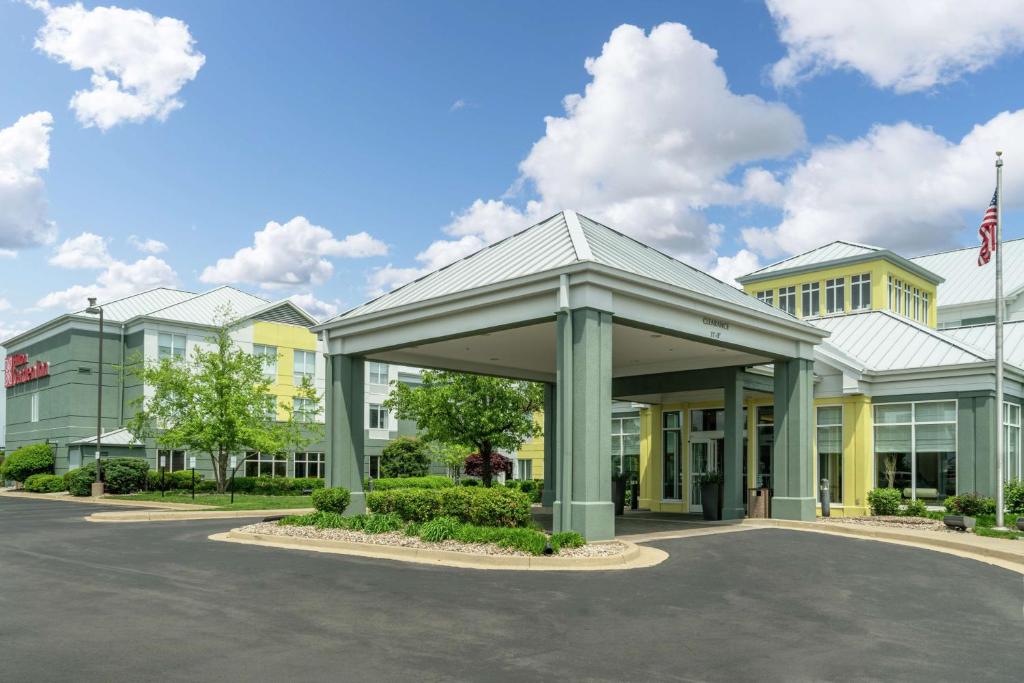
82, 601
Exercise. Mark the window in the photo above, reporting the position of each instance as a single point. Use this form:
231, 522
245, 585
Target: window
830, 451
1012, 468
899, 297
924, 308
309, 465
302, 410
906, 300
378, 416
672, 455
524, 469
269, 354
707, 420
305, 366
626, 444
810, 299
915, 449
270, 409
917, 303
767, 296
170, 345
835, 299
892, 298
765, 444
373, 466
860, 292
378, 373
34, 408
787, 299
173, 460
265, 464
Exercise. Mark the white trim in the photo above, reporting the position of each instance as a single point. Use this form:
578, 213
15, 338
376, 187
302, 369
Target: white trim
579, 240
913, 439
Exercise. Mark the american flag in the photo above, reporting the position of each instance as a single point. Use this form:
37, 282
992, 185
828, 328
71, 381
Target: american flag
987, 231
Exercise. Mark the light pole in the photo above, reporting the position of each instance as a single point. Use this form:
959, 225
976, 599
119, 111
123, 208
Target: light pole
97, 487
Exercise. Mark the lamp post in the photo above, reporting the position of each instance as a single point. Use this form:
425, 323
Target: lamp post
97, 487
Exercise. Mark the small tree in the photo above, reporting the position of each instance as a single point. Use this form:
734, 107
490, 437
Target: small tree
478, 412
451, 455
219, 402
474, 464
405, 456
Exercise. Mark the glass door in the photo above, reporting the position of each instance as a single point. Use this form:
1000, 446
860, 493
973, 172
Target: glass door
701, 462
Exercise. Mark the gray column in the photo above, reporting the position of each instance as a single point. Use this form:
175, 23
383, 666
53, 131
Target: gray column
583, 431
734, 486
550, 461
345, 427
792, 459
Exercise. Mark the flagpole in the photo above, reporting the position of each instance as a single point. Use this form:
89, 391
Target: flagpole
1000, 446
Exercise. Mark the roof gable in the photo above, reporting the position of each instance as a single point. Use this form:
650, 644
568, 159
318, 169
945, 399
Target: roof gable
562, 240
203, 309
835, 254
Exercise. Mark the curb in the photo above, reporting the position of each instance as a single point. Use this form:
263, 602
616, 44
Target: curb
88, 500
635, 557
989, 552
184, 515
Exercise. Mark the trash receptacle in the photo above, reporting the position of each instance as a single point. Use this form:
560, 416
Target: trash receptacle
758, 503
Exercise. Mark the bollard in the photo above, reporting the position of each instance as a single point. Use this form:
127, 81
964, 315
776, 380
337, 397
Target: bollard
825, 499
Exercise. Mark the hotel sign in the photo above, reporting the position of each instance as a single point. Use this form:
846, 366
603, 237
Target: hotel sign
17, 369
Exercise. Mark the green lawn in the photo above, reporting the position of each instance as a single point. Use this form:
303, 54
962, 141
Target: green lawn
986, 522
222, 501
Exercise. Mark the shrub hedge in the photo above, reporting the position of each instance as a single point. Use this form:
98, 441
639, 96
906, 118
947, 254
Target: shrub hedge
534, 488
431, 482
331, 500
275, 486
884, 501
79, 481
915, 508
1013, 496
970, 504
498, 507
36, 458
45, 483
405, 456
124, 475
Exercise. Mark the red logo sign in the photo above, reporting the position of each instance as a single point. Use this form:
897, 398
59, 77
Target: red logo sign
17, 370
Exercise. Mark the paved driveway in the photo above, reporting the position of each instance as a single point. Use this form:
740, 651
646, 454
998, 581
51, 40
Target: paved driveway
143, 602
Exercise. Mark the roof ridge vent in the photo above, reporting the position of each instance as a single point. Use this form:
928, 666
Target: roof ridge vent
579, 239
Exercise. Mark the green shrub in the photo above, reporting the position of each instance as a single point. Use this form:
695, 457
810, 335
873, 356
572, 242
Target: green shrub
331, 500
79, 481
125, 475
884, 501
412, 529
45, 483
180, 480
405, 456
915, 508
469, 481
567, 539
205, 485
431, 482
35, 458
439, 529
382, 524
534, 488
275, 486
970, 504
499, 507
526, 540
308, 519
1013, 496
330, 520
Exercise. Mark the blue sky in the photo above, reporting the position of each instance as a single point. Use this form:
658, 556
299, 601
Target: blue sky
392, 119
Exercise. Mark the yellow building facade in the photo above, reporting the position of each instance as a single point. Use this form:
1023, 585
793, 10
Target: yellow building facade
285, 339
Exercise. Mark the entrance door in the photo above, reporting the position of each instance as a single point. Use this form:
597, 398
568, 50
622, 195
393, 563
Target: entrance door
706, 455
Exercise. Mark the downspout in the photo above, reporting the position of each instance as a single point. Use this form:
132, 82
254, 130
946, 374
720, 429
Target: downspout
120, 400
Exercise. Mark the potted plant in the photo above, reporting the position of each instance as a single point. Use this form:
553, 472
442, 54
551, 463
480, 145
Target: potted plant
711, 496
620, 480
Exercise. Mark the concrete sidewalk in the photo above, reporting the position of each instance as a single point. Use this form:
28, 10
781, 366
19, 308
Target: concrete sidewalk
103, 500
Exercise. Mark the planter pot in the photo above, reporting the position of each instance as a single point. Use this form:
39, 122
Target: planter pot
711, 501
959, 522
618, 495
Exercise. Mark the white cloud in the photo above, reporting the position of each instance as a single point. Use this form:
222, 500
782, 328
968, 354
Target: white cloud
439, 254
319, 309
88, 250
386, 278
139, 62
900, 186
905, 45
646, 147
24, 151
117, 281
457, 105
291, 254
5, 304
147, 245
728, 268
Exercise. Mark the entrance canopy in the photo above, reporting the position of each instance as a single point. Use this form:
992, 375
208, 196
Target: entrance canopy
494, 312
591, 313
